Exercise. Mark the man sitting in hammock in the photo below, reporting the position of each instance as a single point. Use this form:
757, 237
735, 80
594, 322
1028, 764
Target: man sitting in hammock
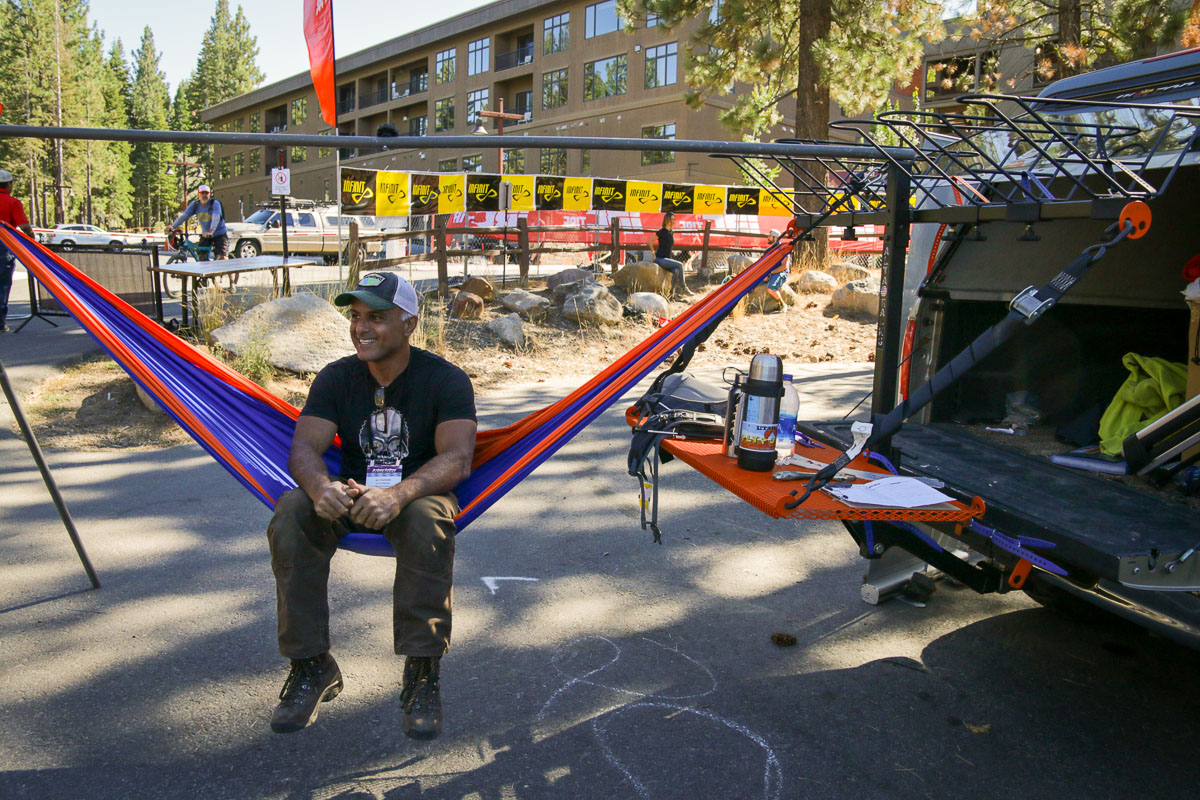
406, 419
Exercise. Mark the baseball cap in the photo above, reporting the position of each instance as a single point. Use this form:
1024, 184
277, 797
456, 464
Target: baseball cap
5, 176
204, 187
773, 232
381, 291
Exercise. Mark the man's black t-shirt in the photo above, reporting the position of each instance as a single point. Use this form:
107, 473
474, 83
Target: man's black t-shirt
666, 243
429, 392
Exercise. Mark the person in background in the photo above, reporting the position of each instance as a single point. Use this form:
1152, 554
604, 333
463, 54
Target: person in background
208, 212
778, 278
12, 212
662, 256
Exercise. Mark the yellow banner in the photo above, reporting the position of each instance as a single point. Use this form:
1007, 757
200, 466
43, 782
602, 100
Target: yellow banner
452, 194
391, 194
522, 191
577, 194
770, 204
643, 196
709, 200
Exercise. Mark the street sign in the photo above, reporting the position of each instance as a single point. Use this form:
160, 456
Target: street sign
281, 181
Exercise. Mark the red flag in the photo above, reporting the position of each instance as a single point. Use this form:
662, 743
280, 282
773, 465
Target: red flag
318, 33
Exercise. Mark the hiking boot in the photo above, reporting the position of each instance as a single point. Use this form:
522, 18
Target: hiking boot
311, 682
421, 698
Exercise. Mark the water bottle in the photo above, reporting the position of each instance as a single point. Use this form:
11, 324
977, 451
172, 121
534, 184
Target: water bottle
789, 406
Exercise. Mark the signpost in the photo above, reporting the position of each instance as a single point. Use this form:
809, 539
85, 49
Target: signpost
281, 184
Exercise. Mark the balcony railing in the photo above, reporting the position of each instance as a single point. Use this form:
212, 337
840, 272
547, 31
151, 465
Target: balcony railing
526, 112
402, 90
514, 58
372, 98
279, 127
345, 105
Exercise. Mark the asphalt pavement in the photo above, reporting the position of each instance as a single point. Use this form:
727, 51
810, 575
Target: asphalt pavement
587, 662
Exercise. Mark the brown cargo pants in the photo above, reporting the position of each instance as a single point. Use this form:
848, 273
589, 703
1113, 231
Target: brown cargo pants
302, 545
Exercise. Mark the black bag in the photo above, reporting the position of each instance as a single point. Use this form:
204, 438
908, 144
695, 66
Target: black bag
679, 406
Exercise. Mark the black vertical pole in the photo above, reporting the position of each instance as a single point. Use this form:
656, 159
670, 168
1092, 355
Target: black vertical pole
36, 450
283, 209
890, 330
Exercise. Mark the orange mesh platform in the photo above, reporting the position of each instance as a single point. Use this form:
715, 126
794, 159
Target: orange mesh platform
770, 496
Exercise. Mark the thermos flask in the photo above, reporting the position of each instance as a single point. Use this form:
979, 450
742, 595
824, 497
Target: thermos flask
762, 390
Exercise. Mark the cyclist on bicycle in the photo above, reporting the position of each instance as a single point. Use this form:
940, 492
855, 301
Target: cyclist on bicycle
208, 212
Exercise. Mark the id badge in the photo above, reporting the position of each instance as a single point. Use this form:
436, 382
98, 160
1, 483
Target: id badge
383, 476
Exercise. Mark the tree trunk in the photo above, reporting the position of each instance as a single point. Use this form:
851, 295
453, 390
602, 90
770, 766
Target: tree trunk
1070, 34
812, 110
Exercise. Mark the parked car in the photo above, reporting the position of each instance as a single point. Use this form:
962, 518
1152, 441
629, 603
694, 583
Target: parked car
312, 228
67, 236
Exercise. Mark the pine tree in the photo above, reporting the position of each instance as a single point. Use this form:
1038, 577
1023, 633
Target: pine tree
154, 189
227, 64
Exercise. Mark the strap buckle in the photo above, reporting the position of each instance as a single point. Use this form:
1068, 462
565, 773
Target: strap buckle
1029, 305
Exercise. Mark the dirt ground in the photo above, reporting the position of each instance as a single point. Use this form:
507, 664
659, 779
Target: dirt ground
93, 405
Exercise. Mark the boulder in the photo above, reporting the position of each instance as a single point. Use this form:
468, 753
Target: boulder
570, 275
466, 305
738, 262
592, 305
527, 304
759, 300
564, 290
857, 297
814, 281
302, 333
643, 276
848, 271
654, 305
480, 287
508, 330
146, 398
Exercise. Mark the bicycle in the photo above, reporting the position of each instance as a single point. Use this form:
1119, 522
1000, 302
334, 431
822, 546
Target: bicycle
186, 250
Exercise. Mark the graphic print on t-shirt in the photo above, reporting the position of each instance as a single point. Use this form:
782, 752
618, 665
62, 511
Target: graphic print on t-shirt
383, 437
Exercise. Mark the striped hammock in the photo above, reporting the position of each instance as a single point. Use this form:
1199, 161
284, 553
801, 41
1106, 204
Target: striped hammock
249, 431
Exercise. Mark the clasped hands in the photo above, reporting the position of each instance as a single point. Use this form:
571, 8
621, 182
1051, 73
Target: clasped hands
368, 506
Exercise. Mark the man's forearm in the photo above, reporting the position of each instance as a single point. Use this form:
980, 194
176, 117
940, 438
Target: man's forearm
308, 468
439, 475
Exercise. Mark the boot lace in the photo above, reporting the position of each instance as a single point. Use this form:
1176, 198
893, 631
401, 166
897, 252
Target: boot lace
304, 675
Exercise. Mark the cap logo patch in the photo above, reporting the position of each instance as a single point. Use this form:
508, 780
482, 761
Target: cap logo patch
374, 279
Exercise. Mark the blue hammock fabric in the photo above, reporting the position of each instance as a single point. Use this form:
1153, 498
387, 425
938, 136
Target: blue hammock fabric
249, 431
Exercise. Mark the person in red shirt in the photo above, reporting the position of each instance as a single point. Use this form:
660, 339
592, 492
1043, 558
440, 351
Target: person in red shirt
12, 212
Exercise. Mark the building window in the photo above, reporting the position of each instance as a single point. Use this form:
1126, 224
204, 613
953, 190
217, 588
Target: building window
554, 161
666, 131
476, 101
652, 20
479, 56
604, 78
239, 163
448, 165
418, 80
325, 152
523, 103
299, 111
443, 66
556, 33
514, 161
255, 163
223, 169
299, 154
661, 65
255, 126
473, 163
714, 13
326, 191
237, 125
601, 18
554, 89
418, 126
443, 114
585, 161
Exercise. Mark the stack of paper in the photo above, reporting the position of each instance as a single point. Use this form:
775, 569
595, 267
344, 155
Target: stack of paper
894, 492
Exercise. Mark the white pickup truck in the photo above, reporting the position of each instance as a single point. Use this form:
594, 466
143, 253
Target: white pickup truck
311, 230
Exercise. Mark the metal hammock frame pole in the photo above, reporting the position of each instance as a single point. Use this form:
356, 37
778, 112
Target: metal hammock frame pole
36, 451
